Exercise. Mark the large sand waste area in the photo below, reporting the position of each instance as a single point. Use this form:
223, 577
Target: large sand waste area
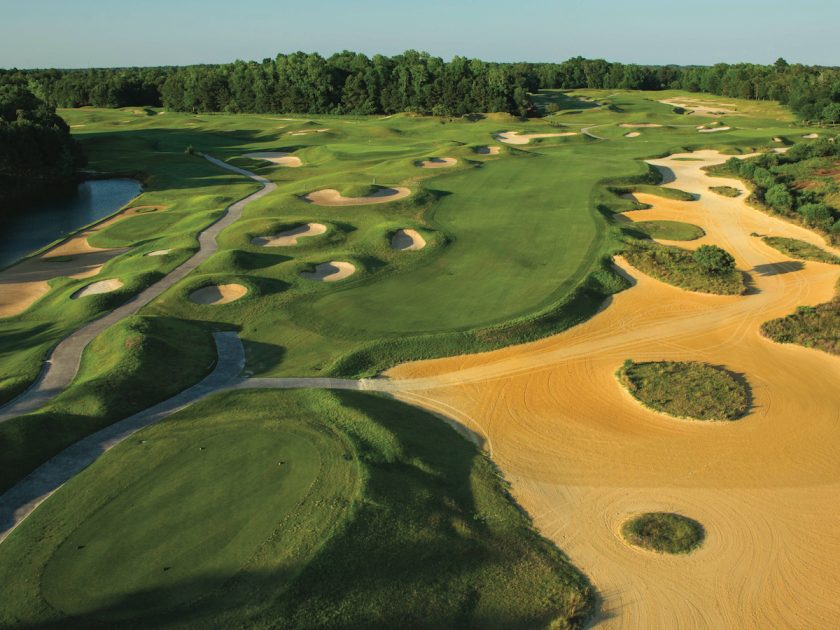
582, 455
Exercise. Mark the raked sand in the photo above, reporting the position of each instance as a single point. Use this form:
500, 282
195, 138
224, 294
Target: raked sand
331, 197
514, 137
582, 455
290, 237
330, 271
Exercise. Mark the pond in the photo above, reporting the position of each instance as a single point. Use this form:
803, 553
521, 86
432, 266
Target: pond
42, 224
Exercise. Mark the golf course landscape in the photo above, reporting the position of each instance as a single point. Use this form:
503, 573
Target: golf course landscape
572, 369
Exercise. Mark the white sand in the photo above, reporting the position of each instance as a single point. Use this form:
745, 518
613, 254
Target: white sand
218, 294
330, 271
487, 150
303, 132
713, 129
811, 136
514, 137
159, 252
276, 157
407, 240
290, 237
331, 197
632, 134
639, 125
95, 288
436, 162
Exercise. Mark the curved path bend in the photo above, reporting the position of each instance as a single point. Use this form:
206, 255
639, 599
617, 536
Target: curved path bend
62, 363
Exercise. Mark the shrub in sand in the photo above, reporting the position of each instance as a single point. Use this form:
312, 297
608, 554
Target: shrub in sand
687, 389
704, 270
713, 259
810, 326
800, 249
664, 532
726, 191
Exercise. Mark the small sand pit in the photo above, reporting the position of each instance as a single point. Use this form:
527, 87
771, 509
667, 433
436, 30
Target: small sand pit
713, 129
331, 197
159, 252
218, 294
304, 132
289, 237
407, 240
514, 137
777, 140
276, 157
632, 134
330, 271
436, 162
638, 125
487, 150
811, 136
96, 288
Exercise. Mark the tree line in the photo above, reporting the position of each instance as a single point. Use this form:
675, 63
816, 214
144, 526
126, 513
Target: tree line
352, 83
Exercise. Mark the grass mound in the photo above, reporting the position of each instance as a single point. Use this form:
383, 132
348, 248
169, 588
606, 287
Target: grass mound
800, 249
679, 267
295, 509
687, 389
810, 326
669, 230
664, 532
726, 191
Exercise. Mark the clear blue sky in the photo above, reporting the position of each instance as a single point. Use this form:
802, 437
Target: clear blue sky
82, 33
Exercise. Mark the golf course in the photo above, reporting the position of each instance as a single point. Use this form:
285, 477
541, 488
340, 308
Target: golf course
490, 371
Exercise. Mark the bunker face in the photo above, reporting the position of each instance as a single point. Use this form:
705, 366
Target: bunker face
276, 157
218, 294
331, 197
159, 252
304, 132
95, 288
632, 134
438, 162
638, 125
330, 271
487, 150
407, 240
514, 137
713, 129
811, 136
289, 238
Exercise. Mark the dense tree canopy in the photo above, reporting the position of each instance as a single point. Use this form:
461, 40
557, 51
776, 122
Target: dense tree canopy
37, 153
352, 83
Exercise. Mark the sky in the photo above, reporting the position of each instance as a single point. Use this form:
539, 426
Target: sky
99, 33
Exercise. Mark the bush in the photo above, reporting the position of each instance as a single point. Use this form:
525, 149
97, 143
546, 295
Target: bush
817, 215
764, 178
664, 532
713, 259
779, 198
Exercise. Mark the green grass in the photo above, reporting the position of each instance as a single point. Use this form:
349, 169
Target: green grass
726, 191
800, 249
664, 532
295, 509
668, 230
676, 266
687, 389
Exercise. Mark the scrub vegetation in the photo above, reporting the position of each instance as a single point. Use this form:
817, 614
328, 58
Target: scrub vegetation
664, 532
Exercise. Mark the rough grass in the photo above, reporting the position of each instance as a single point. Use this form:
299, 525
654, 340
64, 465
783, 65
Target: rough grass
664, 532
815, 327
306, 509
677, 266
669, 230
687, 389
800, 249
726, 191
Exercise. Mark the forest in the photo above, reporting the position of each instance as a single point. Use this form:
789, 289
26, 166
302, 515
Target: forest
352, 83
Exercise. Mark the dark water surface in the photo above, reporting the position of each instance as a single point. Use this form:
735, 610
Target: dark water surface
46, 222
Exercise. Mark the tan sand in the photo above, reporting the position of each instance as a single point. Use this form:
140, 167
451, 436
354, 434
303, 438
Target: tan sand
276, 157
97, 288
702, 108
330, 271
438, 162
582, 455
811, 136
331, 197
777, 140
713, 129
514, 137
218, 294
407, 240
307, 131
159, 252
638, 125
632, 134
487, 150
290, 237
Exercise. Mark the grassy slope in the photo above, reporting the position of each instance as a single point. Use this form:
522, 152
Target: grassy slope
668, 230
379, 515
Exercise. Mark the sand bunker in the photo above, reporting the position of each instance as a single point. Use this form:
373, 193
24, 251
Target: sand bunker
407, 240
811, 136
712, 129
702, 108
304, 132
638, 125
632, 134
218, 294
581, 455
514, 137
96, 288
276, 157
487, 150
438, 162
159, 252
289, 237
331, 197
330, 271
777, 140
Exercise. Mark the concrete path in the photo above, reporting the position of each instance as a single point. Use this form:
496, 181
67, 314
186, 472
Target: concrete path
21, 500
63, 362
